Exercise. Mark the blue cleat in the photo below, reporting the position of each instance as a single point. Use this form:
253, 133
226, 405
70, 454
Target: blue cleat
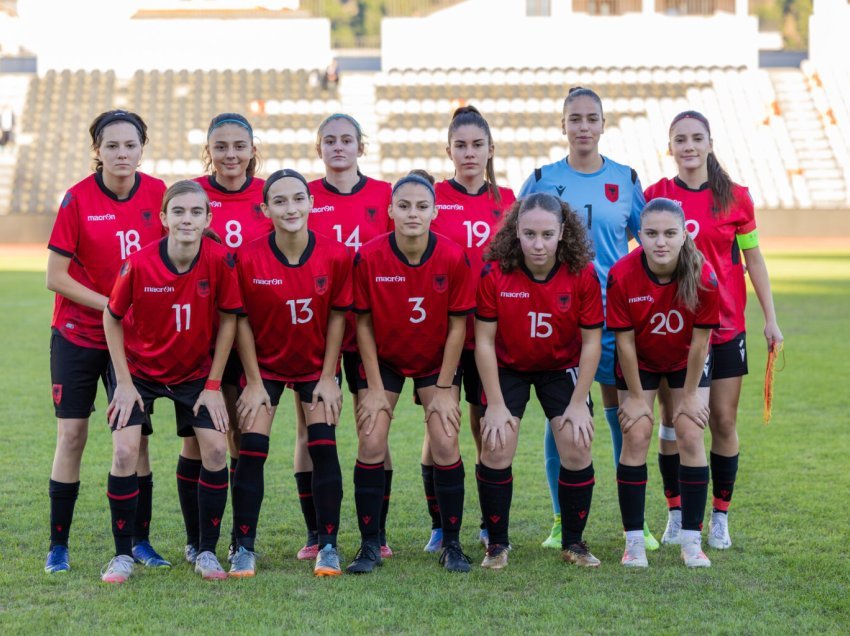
57, 560
435, 543
144, 553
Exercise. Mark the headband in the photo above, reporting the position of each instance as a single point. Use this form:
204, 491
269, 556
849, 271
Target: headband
414, 178
117, 116
230, 120
691, 114
282, 174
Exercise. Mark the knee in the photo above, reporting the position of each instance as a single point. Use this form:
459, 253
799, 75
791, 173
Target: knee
72, 439
497, 459
690, 439
723, 423
576, 457
125, 455
371, 451
444, 450
637, 439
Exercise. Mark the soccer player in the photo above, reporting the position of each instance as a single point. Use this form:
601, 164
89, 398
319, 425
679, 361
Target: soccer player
608, 197
351, 208
538, 323
662, 305
721, 220
235, 193
412, 292
167, 296
102, 219
470, 209
297, 288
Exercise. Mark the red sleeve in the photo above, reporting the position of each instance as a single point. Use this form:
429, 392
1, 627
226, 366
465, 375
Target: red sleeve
747, 221
66, 228
590, 298
362, 304
708, 312
461, 288
122, 292
486, 299
228, 296
617, 315
343, 291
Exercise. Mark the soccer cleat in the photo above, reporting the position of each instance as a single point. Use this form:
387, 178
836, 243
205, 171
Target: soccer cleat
578, 554
207, 565
718, 531
144, 553
118, 570
190, 553
453, 559
57, 560
634, 555
692, 553
308, 552
496, 557
650, 542
231, 551
673, 531
554, 540
327, 562
368, 557
243, 565
435, 543
484, 537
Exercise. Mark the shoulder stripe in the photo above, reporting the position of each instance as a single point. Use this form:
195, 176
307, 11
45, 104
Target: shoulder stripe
60, 251
634, 176
538, 174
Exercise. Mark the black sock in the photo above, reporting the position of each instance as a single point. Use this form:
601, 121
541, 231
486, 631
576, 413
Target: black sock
327, 481
693, 483
234, 464
188, 472
495, 490
449, 488
668, 466
575, 493
144, 509
247, 487
123, 494
304, 484
631, 489
368, 498
212, 500
385, 508
430, 496
724, 470
63, 496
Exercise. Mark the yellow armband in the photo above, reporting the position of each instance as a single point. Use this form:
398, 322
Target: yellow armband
748, 241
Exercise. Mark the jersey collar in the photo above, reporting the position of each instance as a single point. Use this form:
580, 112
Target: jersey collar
357, 186
457, 186
685, 186
651, 275
549, 276
432, 244
217, 186
163, 254
311, 244
98, 179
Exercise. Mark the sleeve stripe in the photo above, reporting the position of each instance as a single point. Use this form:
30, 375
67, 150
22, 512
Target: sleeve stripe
598, 325
59, 250
709, 326
113, 314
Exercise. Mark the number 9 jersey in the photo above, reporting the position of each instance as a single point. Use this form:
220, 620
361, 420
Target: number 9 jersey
663, 327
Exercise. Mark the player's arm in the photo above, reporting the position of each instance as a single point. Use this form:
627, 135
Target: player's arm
691, 405
757, 270
327, 387
634, 407
125, 395
497, 417
254, 395
211, 396
577, 411
444, 404
60, 281
375, 399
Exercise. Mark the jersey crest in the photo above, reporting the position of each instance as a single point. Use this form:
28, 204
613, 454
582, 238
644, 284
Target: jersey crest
563, 301
203, 288
370, 213
147, 217
612, 192
441, 283
258, 211
321, 283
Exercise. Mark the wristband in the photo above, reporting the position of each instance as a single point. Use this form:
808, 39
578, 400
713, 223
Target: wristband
443, 387
212, 385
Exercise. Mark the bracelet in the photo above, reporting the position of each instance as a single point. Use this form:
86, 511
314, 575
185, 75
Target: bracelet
212, 385
443, 387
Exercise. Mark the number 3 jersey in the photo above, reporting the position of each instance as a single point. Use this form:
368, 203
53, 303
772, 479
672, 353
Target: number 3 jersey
540, 321
411, 304
237, 217
97, 231
288, 304
663, 327
167, 335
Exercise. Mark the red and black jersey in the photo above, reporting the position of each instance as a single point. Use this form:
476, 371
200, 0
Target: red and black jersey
97, 231
539, 321
715, 234
471, 220
236, 214
411, 304
167, 334
288, 304
663, 327
353, 219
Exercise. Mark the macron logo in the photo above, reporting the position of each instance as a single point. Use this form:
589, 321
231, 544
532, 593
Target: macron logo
451, 206
168, 289
268, 281
324, 208
389, 279
100, 217
642, 299
507, 294
215, 204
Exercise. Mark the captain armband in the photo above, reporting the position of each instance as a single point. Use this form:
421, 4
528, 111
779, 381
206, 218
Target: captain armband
748, 241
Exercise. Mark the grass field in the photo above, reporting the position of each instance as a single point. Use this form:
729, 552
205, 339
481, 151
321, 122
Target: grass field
787, 572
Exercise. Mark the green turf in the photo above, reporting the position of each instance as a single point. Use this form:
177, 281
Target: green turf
788, 570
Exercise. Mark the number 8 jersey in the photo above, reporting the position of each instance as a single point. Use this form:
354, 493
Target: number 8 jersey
663, 327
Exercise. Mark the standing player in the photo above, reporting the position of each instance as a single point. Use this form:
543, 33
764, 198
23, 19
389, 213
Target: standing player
412, 292
470, 207
538, 323
352, 209
103, 219
297, 288
608, 197
663, 304
168, 295
721, 220
235, 194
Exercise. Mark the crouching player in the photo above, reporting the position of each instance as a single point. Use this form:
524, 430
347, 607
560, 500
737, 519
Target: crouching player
167, 295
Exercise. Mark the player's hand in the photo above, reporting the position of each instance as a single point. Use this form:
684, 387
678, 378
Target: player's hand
328, 390
445, 405
494, 426
253, 398
214, 401
369, 408
631, 410
773, 335
693, 407
578, 416
121, 407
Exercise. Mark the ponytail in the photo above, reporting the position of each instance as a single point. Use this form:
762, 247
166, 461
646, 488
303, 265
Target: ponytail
689, 274
470, 116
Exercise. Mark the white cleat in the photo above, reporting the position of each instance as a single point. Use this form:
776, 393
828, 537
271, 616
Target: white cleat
692, 553
718, 531
673, 531
635, 554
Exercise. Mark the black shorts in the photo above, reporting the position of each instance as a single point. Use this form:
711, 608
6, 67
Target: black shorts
183, 395
471, 379
304, 389
650, 381
394, 381
554, 390
730, 358
74, 372
233, 370
350, 366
